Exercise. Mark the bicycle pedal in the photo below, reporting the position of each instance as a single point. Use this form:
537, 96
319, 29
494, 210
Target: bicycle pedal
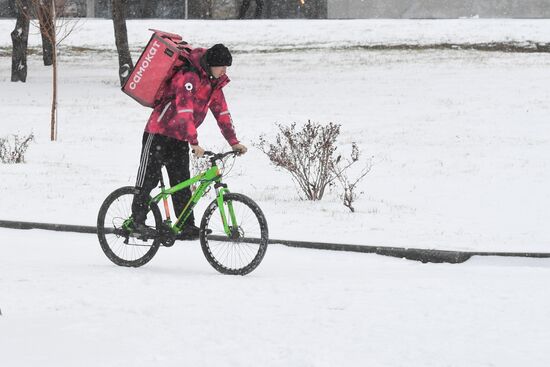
169, 243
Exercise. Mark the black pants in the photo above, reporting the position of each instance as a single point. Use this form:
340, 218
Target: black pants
158, 151
246, 4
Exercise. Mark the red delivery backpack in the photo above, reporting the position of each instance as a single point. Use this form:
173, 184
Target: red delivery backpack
164, 55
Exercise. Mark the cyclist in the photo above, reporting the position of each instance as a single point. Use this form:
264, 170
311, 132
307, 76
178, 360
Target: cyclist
173, 125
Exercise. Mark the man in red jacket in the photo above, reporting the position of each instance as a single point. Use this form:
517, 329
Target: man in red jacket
173, 125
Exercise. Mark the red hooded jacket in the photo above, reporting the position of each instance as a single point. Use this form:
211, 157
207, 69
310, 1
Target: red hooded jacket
189, 94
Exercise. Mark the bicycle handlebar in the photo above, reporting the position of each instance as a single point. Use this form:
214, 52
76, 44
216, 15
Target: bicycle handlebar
219, 156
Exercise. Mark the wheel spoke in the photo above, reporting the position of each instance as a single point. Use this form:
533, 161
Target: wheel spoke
114, 212
242, 251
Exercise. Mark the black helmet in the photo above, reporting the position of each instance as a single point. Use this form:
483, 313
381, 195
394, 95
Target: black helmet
218, 55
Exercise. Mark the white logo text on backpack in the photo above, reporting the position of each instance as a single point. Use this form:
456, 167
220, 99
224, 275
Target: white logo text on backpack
145, 64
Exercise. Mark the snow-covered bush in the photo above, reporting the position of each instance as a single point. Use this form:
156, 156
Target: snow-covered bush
310, 155
14, 147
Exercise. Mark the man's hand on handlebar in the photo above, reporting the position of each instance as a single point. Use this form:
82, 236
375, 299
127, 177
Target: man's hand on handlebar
241, 149
197, 150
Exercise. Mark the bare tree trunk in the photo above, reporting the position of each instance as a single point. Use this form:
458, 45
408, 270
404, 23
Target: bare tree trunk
121, 39
147, 8
53, 130
46, 30
19, 37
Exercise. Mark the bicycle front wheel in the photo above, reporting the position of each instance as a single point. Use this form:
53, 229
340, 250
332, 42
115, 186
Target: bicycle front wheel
117, 242
243, 249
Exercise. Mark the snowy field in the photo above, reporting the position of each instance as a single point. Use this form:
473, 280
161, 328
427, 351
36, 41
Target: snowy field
460, 144
459, 139
63, 304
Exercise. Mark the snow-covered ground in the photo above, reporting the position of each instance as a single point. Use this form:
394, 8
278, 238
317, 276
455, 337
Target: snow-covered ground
459, 139
461, 150
64, 304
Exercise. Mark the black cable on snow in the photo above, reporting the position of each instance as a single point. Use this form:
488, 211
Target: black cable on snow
418, 254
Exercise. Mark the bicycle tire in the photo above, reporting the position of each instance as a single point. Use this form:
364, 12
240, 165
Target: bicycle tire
224, 252
119, 203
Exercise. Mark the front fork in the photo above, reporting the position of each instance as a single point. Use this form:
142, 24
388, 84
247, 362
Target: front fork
221, 190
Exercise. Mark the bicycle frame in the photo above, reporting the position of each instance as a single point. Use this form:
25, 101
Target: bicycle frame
206, 178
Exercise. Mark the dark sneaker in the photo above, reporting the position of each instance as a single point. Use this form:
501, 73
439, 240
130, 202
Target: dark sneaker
143, 232
190, 232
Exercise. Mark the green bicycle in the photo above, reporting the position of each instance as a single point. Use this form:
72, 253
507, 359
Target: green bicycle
233, 230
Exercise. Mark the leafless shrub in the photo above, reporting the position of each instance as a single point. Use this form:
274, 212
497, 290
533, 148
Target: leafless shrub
14, 147
349, 195
310, 156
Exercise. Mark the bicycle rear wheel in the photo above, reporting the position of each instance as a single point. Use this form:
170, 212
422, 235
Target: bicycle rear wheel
117, 242
242, 251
